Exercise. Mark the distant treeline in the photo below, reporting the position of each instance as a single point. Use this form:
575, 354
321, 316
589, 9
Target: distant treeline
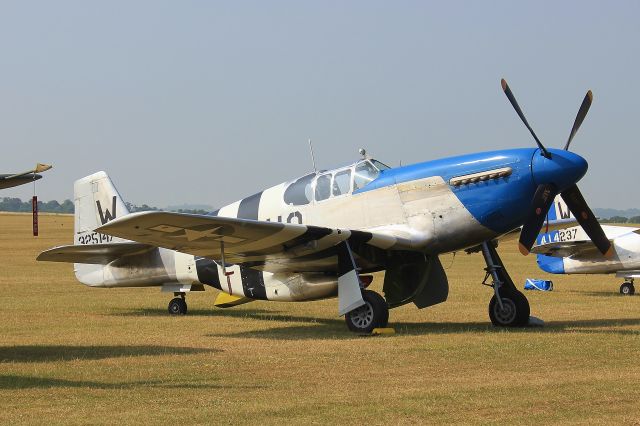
621, 219
8, 204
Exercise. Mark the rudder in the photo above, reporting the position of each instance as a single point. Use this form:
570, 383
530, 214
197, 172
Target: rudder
97, 202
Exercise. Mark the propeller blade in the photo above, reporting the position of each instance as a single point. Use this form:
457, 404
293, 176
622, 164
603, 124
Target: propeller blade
542, 200
578, 206
582, 113
514, 103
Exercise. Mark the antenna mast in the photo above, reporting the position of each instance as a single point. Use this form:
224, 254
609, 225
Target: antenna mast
313, 159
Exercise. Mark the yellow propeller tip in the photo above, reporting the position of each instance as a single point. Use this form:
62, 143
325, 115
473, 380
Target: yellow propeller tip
609, 252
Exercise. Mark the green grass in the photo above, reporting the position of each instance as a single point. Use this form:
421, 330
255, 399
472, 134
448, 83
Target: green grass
76, 355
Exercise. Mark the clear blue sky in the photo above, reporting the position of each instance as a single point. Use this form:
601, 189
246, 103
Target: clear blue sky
208, 102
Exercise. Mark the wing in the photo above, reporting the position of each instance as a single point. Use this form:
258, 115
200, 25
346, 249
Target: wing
8, 181
566, 248
100, 254
262, 245
574, 241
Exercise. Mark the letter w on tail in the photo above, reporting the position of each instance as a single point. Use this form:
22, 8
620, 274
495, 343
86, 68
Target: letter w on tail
107, 216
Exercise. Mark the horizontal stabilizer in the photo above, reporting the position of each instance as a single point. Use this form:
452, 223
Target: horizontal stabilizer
98, 254
225, 300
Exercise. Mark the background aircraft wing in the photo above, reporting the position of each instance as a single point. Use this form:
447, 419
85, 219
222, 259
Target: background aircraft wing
574, 241
100, 254
11, 180
566, 248
262, 245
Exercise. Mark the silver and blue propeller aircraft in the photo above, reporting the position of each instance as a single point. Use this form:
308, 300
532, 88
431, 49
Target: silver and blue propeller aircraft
321, 235
571, 251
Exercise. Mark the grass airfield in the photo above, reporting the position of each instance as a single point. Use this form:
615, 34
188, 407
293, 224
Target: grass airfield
76, 355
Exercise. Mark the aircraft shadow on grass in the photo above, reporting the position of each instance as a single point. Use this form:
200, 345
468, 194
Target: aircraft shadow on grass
12, 381
605, 294
234, 313
319, 328
307, 327
54, 353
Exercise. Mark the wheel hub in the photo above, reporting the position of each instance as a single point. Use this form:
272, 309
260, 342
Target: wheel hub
362, 317
506, 314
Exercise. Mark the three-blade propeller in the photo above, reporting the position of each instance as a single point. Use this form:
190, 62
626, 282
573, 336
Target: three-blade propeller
545, 193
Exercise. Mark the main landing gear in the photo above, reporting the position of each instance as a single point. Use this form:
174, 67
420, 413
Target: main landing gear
627, 288
178, 305
508, 306
373, 314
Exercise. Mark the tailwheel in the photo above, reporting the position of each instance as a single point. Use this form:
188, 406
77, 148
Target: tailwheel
513, 312
627, 289
373, 314
178, 306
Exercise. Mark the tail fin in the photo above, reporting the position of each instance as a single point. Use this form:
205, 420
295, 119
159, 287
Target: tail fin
559, 210
97, 202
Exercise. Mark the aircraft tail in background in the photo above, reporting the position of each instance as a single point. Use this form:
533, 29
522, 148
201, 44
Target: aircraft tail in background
559, 211
97, 202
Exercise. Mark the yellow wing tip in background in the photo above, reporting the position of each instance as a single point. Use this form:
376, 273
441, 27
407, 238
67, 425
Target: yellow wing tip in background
40, 167
610, 252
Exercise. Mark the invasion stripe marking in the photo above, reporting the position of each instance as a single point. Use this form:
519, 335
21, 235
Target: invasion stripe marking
312, 233
253, 283
252, 280
208, 272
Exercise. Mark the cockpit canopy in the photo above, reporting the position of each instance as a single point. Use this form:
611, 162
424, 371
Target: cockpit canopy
333, 183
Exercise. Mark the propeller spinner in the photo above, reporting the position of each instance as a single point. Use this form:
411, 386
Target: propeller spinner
546, 191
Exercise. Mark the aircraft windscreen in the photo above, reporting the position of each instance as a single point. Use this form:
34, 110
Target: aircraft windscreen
299, 192
365, 172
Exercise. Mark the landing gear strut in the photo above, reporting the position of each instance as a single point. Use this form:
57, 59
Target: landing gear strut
178, 305
508, 306
627, 288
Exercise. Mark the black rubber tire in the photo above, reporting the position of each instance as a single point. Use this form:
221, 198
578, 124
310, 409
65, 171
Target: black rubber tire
383, 307
373, 314
627, 289
177, 306
516, 309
